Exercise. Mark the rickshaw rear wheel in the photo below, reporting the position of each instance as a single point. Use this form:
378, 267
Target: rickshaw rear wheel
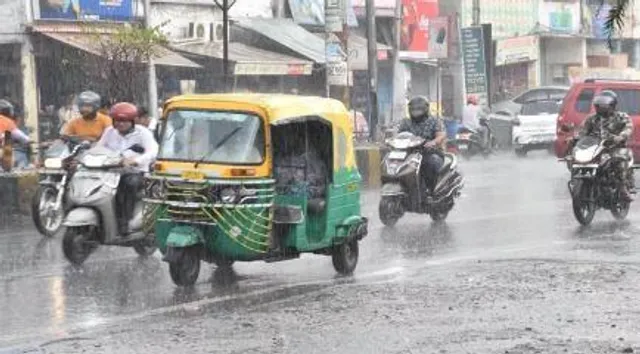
186, 267
345, 257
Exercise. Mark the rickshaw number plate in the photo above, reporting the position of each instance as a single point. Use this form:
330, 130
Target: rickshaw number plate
463, 146
193, 175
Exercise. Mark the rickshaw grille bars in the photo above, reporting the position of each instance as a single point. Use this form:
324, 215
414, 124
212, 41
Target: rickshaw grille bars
241, 211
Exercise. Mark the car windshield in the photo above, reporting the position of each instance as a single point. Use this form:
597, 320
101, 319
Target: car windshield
213, 136
540, 107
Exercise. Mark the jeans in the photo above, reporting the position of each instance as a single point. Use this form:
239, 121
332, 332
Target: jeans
431, 165
126, 198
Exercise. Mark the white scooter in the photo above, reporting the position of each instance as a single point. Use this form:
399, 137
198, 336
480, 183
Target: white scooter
91, 219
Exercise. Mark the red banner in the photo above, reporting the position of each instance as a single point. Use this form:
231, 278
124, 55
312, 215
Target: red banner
415, 24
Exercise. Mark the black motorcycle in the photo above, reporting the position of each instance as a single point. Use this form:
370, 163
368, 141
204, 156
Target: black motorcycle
468, 142
594, 180
403, 189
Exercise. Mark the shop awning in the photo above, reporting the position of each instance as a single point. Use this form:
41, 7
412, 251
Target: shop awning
358, 51
287, 33
248, 60
88, 43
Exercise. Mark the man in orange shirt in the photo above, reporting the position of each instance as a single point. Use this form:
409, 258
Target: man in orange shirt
7, 113
92, 123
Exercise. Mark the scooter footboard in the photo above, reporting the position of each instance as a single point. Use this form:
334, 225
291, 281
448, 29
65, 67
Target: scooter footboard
82, 217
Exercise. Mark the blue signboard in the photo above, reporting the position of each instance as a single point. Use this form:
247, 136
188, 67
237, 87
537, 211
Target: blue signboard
86, 10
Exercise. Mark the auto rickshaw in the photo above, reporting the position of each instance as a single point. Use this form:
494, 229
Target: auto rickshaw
246, 177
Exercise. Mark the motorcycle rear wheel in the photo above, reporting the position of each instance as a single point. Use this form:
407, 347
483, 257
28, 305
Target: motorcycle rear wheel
621, 210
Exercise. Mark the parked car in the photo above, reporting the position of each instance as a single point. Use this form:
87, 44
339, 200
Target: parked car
513, 106
577, 106
534, 127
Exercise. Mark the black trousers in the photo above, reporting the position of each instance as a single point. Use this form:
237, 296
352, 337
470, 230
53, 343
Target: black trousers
126, 197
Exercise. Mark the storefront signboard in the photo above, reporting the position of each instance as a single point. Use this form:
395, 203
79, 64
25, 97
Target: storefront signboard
475, 68
517, 50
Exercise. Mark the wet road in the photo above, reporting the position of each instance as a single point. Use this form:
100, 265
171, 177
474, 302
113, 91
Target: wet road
509, 271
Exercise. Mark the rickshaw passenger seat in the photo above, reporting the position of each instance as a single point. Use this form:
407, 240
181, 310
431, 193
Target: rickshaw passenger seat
316, 205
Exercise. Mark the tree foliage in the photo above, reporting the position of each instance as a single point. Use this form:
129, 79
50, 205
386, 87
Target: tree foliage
118, 62
615, 18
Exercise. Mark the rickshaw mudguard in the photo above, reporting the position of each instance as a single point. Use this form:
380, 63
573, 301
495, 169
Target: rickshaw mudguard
184, 236
354, 226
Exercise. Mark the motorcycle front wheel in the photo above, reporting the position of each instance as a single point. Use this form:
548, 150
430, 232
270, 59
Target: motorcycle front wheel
45, 217
389, 211
620, 210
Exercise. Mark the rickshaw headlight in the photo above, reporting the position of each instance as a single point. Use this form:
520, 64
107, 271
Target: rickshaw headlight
228, 195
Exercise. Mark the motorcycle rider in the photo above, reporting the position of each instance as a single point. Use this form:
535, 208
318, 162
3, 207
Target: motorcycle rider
471, 119
8, 124
616, 126
92, 124
139, 149
432, 130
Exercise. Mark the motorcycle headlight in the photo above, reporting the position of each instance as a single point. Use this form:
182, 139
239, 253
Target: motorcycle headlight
228, 195
53, 163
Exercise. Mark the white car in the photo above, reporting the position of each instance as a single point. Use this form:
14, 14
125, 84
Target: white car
534, 127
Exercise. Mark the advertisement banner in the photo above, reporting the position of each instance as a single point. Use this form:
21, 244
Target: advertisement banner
475, 68
311, 12
560, 17
516, 50
439, 38
415, 24
337, 74
86, 10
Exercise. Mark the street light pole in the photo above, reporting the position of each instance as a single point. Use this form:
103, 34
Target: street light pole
476, 12
225, 7
372, 61
151, 80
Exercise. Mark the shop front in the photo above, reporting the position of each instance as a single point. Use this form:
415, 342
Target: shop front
252, 69
516, 64
71, 58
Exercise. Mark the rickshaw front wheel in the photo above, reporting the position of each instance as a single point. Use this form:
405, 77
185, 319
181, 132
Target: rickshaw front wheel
345, 257
185, 268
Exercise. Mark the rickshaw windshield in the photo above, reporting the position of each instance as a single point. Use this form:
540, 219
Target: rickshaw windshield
213, 136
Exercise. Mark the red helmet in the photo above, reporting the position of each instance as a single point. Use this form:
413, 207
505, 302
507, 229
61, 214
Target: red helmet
124, 111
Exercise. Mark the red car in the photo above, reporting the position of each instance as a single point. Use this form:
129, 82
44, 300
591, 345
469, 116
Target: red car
577, 106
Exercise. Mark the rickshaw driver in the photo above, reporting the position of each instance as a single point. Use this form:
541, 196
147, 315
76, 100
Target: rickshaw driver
139, 149
431, 129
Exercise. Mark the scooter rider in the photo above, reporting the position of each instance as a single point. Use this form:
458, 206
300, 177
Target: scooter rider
471, 119
609, 123
139, 149
92, 124
432, 130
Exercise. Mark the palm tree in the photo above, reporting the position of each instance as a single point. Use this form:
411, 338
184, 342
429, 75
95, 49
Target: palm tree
615, 18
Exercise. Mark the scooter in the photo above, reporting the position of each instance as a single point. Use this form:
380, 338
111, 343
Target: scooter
403, 188
91, 219
468, 142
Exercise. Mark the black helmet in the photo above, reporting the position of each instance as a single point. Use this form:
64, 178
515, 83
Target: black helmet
89, 98
7, 109
418, 108
605, 103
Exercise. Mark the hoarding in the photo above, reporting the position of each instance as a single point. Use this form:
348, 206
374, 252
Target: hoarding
475, 68
86, 10
415, 24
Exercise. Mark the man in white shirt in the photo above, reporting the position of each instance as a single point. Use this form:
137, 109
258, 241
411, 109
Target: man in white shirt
471, 118
138, 148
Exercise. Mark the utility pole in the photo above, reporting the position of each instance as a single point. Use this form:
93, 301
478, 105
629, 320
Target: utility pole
151, 82
397, 110
225, 7
337, 51
372, 61
476, 13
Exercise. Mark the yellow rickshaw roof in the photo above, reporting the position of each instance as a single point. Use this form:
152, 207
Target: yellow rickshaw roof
279, 107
